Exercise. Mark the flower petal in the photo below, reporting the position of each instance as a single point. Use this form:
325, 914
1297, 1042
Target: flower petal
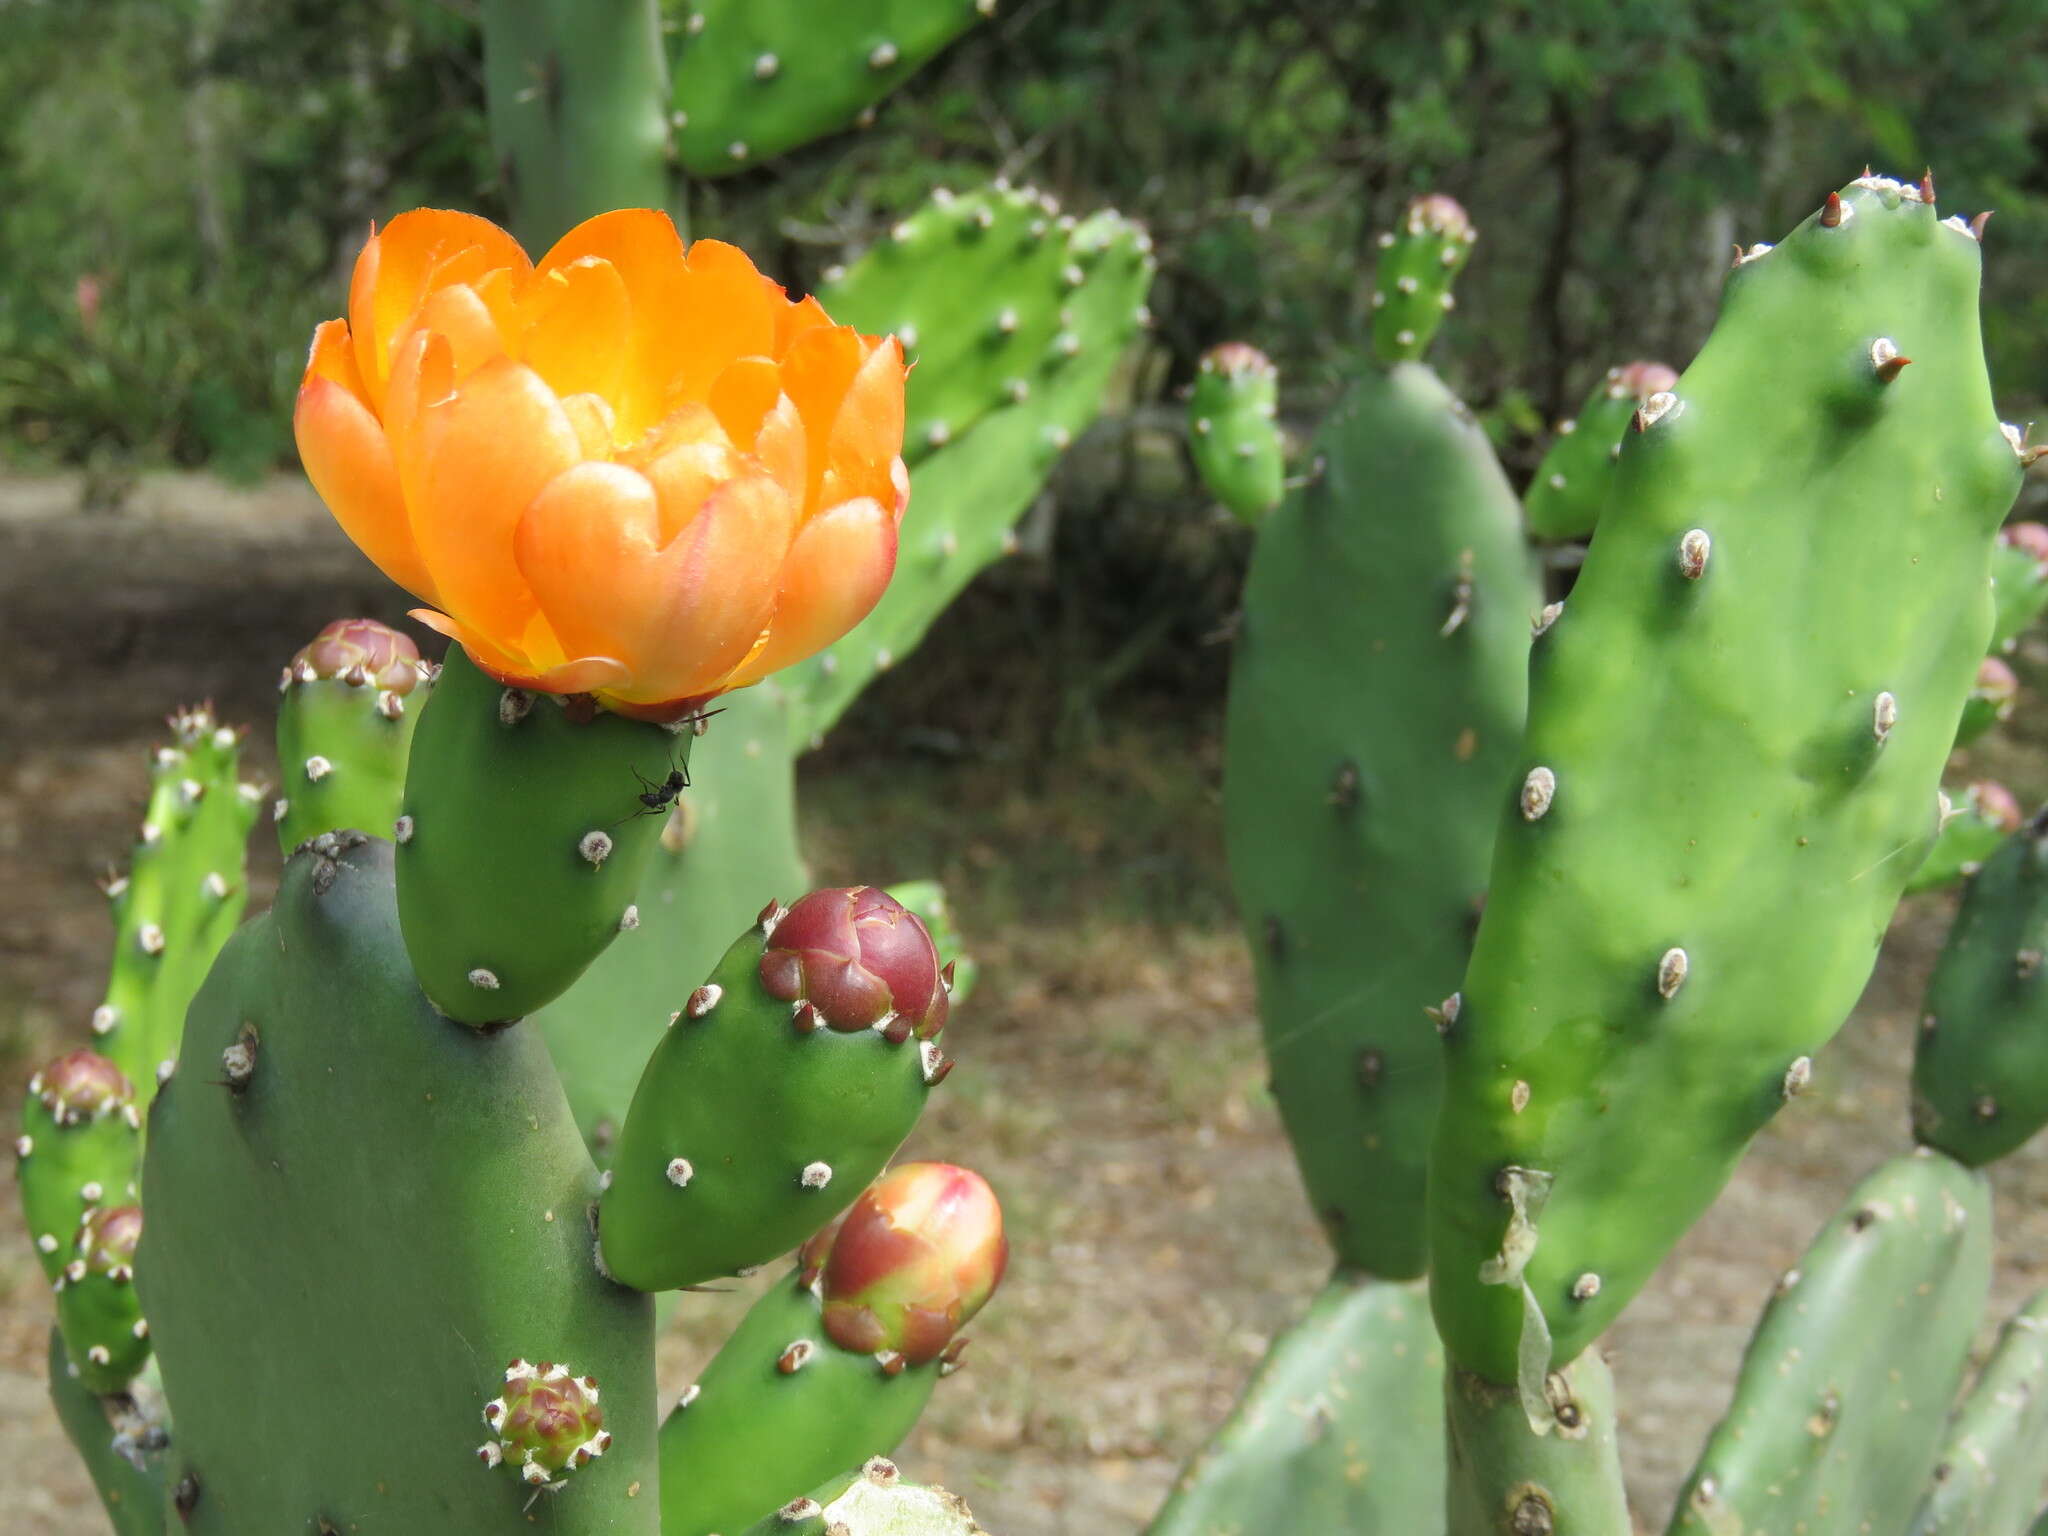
744, 393
816, 374
392, 276
487, 450
729, 312
836, 572
575, 318
642, 246
867, 434
346, 456
585, 674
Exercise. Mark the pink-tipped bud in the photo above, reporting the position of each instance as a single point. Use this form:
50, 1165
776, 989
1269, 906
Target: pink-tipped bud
1996, 683
1235, 358
107, 1238
2031, 537
857, 956
914, 1259
546, 1424
1642, 380
1437, 214
387, 660
82, 1085
1995, 803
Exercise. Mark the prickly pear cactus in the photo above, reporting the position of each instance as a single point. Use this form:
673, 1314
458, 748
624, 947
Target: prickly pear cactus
1980, 1064
181, 896
1420, 257
1232, 430
525, 828
80, 1148
1692, 875
1508, 1477
405, 1201
1564, 497
1973, 824
1338, 1430
753, 79
120, 1439
1987, 1478
1826, 1433
875, 1501
344, 728
1357, 798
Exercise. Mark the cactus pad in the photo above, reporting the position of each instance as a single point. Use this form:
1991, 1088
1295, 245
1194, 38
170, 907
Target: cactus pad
1232, 431
80, 1147
1988, 1475
1420, 257
1570, 484
351, 697
1508, 1478
121, 1445
875, 1501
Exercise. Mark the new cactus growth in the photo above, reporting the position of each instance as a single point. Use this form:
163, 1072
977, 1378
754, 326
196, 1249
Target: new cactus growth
1704, 866
1338, 1431
780, 1089
1987, 1477
875, 1501
1826, 1433
80, 1147
1232, 430
752, 79
521, 839
102, 1323
344, 728
1980, 1064
547, 1423
1510, 1477
795, 1375
1564, 497
1356, 797
1973, 823
1419, 258
2019, 572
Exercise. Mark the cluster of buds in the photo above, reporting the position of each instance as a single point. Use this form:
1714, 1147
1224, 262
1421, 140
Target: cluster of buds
547, 1424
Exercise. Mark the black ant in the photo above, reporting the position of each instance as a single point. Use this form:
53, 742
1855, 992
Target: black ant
657, 796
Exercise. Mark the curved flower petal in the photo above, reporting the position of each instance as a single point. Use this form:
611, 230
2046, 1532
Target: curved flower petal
731, 309
392, 276
486, 452
835, 574
867, 434
574, 317
585, 674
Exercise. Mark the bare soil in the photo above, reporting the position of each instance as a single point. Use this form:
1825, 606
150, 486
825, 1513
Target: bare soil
1111, 1085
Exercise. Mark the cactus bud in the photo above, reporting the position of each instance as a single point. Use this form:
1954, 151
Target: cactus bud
82, 1085
107, 1238
913, 1260
362, 651
546, 1424
860, 958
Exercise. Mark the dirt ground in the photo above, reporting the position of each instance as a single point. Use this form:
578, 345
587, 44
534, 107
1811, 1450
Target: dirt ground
1110, 1084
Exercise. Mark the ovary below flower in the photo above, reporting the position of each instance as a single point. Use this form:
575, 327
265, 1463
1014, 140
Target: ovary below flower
626, 470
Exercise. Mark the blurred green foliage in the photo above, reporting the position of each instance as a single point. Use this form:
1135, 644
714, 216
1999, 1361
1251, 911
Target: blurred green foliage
209, 166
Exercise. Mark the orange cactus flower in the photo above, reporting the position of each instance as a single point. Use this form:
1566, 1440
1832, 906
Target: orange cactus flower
624, 470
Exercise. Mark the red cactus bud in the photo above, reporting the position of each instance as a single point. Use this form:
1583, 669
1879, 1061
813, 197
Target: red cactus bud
547, 1423
1232, 358
107, 1239
386, 658
1436, 214
82, 1085
857, 956
914, 1259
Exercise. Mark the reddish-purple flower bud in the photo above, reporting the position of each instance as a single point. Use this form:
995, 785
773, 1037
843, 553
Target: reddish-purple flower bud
1642, 380
362, 651
861, 959
107, 1238
82, 1085
1232, 358
547, 1424
1438, 214
913, 1260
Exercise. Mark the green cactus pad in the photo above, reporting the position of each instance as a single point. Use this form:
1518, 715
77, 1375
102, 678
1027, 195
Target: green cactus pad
343, 731
1826, 1432
753, 79
1232, 431
355, 1220
1570, 484
1979, 818
80, 1146
927, 898
1507, 1478
122, 1449
1338, 1430
1420, 257
1987, 1477
775, 1411
875, 1501
2019, 575
523, 840
1736, 730
1357, 798
1980, 1066
181, 897
748, 1132
97, 1309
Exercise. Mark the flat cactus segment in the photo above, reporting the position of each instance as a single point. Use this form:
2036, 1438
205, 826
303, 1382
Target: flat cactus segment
1980, 1063
1737, 728
1976, 821
1507, 1479
2019, 573
1420, 257
387, 1209
1572, 481
1826, 1433
1358, 798
927, 898
522, 839
182, 895
1340, 1429
1987, 1477
758, 1119
1232, 431
122, 1450
80, 1147
753, 79
344, 729
727, 847
874, 1501
969, 487
775, 1411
